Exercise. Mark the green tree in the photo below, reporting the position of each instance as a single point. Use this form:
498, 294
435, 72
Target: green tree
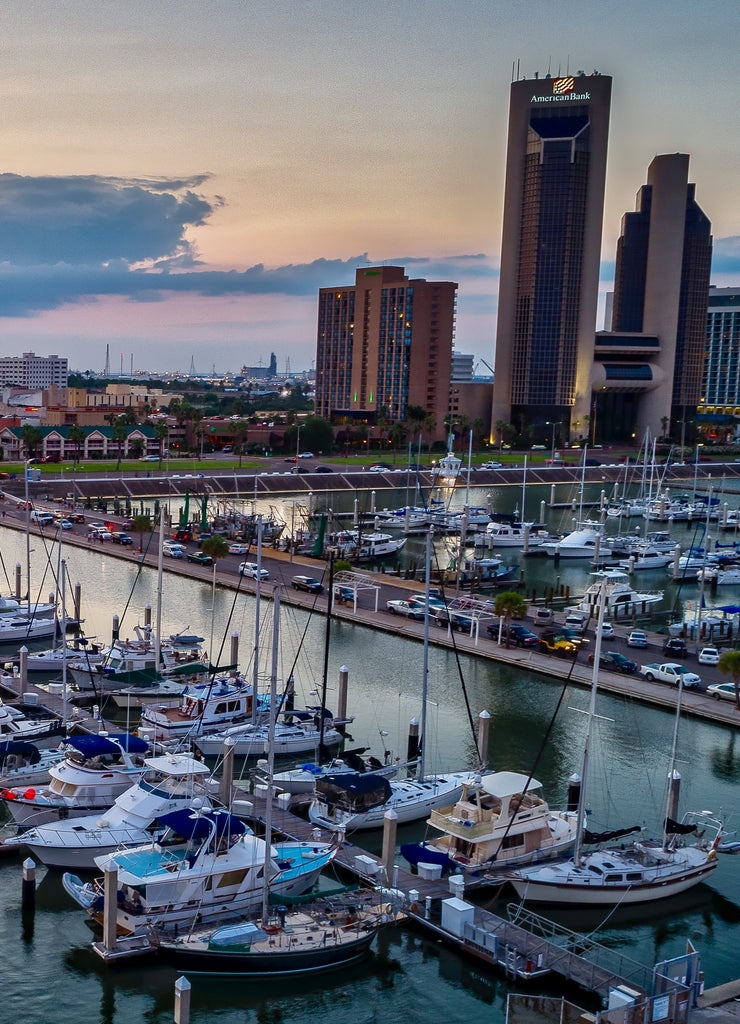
32, 438
509, 603
141, 524
397, 434
119, 433
500, 428
161, 432
76, 437
729, 665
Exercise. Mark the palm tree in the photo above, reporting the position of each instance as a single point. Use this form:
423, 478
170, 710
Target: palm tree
32, 438
509, 603
76, 436
729, 665
141, 524
216, 547
119, 434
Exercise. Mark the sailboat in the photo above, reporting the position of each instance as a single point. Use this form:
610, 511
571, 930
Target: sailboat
351, 802
637, 872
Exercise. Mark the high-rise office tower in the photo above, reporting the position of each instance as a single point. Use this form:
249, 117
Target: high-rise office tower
648, 369
550, 252
383, 345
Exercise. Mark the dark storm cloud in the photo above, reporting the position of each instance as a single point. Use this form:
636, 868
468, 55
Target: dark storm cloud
93, 221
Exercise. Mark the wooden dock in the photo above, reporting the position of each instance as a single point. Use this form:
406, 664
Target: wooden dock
525, 946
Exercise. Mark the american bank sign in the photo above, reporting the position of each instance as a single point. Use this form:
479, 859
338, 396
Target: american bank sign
563, 91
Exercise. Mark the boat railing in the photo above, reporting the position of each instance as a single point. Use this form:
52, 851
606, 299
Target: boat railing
461, 827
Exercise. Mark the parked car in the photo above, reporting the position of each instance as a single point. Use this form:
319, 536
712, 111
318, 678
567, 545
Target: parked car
721, 691
306, 455
559, 645
671, 672
99, 535
541, 616
491, 465
344, 595
709, 656
607, 631
399, 607
173, 549
564, 633
64, 524
251, 570
637, 638
300, 469
238, 549
455, 620
323, 469
517, 635
119, 537
199, 558
676, 647
309, 583
616, 661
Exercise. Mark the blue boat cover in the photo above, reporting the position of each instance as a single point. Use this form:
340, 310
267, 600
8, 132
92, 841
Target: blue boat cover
193, 825
96, 746
24, 749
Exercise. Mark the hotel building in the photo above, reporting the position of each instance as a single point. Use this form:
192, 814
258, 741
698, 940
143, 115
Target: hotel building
32, 371
382, 345
719, 408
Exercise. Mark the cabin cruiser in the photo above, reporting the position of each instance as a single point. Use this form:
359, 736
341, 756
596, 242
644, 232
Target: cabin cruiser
500, 820
134, 662
586, 542
204, 708
620, 595
169, 783
204, 863
95, 770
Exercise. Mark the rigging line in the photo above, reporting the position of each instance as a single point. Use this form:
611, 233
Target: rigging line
458, 663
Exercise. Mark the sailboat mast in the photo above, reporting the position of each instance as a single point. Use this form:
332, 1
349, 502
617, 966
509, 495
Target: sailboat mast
672, 763
425, 661
160, 579
256, 649
524, 488
271, 754
578, 849
325, 674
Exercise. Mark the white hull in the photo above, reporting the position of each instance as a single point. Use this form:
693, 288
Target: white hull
411, 801
585, 895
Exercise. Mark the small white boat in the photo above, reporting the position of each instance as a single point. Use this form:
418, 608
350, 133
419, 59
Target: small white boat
297, 732
365, 547
353, 802
511, 535
25, 721
302, 778
582, 543
53, 659
24, 764
718, 577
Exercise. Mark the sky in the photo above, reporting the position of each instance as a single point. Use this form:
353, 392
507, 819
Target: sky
180, 177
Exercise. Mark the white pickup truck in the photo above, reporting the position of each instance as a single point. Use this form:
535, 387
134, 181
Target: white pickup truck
672, 673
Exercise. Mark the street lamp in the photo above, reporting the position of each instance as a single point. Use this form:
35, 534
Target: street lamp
552, 443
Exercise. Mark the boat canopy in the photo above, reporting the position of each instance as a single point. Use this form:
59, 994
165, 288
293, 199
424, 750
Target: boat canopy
361, 792
18, 748
96, 746
192, 824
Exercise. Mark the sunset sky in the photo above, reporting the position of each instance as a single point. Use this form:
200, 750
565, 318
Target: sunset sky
180, 178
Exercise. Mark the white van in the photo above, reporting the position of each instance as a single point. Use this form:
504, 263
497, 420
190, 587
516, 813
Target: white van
173, 549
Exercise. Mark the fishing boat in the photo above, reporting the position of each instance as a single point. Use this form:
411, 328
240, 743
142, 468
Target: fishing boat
635, 872
171, 782
719, 577
53, 659
499, 821
204, 862
358, 546
511, 535
94, 771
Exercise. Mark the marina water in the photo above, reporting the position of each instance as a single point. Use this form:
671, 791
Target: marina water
47, 960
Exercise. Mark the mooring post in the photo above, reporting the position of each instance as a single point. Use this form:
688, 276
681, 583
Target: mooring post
182, 1001
28, 887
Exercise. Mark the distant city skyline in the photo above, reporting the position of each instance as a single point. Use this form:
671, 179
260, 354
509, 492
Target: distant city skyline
179, 182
